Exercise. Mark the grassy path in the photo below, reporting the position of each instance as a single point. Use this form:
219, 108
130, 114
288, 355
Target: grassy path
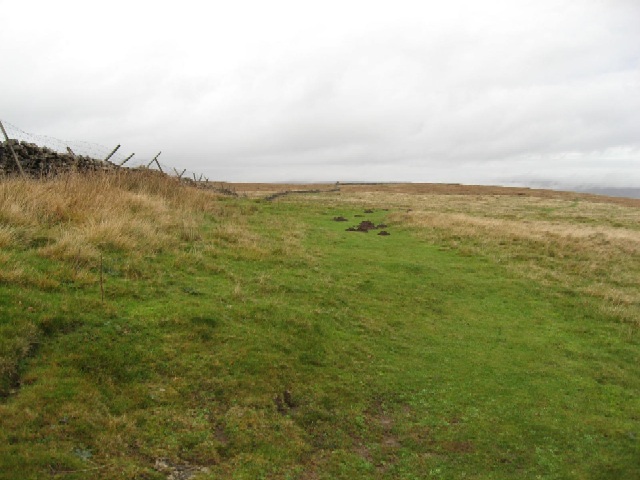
289, 348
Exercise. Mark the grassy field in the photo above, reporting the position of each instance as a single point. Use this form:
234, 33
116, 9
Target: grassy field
151, 330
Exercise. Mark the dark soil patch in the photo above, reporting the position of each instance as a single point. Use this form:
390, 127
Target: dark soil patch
285, 402
365, 226
458, 447
340, 219
384, 233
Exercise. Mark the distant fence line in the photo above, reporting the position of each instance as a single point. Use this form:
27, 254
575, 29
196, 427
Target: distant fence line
98, 152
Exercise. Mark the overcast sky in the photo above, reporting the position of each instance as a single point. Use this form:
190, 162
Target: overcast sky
458, 91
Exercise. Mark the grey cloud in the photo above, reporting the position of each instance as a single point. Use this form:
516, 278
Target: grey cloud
465, 91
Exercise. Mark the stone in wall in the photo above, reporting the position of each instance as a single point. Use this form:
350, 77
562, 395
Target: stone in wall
39, 161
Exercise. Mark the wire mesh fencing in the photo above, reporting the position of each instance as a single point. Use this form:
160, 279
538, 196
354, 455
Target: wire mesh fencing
117, 157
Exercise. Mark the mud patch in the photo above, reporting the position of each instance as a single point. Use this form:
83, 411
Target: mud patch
383, 452
220, 435
365, 226
284, 402
458, 447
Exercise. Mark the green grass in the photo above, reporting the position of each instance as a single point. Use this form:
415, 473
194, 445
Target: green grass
302, 351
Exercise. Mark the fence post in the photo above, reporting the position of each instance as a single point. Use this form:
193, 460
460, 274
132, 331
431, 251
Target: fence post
155, 159
126, 160
15, 157
75, 160
111, 154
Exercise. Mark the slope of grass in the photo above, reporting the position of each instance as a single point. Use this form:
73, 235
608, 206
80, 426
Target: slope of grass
246, 339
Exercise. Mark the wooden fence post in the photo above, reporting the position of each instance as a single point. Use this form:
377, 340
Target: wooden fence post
75, 160
13, 152
111, 154
126, 160
155, 159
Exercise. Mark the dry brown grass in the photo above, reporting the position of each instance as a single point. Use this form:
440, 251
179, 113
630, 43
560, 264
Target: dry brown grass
75, 217
413, 189
6, 236
589, 247
262, 190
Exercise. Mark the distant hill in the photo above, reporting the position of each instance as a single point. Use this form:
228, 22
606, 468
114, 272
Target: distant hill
606, 190
628, 192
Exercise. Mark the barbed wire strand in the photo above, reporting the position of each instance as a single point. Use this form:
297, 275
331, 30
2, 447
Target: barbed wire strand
98, 152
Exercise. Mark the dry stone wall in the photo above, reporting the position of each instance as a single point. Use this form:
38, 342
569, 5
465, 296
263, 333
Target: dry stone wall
39, 161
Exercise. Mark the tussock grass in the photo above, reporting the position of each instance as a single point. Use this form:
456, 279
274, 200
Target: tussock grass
591, 248
7, 236
75, 216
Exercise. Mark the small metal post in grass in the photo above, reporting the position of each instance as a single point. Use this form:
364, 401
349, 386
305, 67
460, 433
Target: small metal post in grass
13, 152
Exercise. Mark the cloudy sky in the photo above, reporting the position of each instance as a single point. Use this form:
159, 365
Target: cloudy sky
465, 91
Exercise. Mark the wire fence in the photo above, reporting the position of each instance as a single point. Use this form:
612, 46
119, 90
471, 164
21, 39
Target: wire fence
100, 152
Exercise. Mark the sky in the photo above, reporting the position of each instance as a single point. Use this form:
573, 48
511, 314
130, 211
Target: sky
462, 91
